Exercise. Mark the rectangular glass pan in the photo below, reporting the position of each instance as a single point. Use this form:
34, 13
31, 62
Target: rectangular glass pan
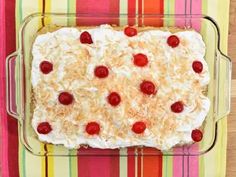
19, 85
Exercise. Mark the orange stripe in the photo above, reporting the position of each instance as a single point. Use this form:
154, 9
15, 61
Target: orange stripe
152, 165
153, 7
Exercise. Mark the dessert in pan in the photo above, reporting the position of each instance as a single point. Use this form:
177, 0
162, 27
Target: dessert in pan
113, 87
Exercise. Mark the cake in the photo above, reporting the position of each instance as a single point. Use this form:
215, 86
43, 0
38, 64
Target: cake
111, 87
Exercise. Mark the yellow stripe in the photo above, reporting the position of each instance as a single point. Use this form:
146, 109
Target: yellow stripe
123, 10
43, 174
216, 158
223, 19
40, 9
209, 158
48, 9
50, 161
50, 148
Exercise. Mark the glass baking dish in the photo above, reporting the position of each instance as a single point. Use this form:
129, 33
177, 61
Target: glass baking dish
19, 85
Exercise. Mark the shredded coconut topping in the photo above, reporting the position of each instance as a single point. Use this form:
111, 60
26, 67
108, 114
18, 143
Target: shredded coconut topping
169, 69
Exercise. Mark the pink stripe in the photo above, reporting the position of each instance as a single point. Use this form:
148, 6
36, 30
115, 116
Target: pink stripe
182, 165
194, 162
178, 163
180, 9
99, 166
197, 9
190, 7
3, 118
97, 7
185, 167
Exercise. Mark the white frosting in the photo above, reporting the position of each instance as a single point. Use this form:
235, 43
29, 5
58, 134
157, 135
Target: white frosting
112, 48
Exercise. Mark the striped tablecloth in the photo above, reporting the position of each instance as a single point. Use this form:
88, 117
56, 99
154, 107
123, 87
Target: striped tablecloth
16, 161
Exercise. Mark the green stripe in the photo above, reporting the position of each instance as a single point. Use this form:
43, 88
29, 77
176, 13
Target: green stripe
71, 8
167, 166
166, 11
169, 8
73, 164
23, 162
73, 170
204, 33
21, 157
21, 150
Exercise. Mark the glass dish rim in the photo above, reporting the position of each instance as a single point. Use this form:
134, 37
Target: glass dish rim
19, 52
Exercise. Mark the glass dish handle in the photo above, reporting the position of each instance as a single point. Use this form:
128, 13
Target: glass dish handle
224, 85
11, 85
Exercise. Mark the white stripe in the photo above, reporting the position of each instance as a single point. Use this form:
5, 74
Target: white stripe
123, 163
123, 10
59, 6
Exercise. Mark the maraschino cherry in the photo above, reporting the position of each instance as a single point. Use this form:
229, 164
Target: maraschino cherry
130, 31
46, 67
101, 71
86, 38
177, 107
197, 66
65, 98
173, 41
44, 128
197, 135
93, 128
139, 127
114, 99
147, 87
140, 60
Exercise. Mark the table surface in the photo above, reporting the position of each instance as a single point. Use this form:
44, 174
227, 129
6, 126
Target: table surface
231, 150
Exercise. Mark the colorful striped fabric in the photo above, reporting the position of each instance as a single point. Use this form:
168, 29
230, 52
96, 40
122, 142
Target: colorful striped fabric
16, 161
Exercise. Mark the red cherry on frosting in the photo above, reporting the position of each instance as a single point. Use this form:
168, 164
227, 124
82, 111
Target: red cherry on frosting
101, 71
147, 87
197, 135
86, 38
44, 128
173, 41
65, 98
92, 128
130, 31
177, 107
139, 127
46, 67
197, 66
114, 98
140, 60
